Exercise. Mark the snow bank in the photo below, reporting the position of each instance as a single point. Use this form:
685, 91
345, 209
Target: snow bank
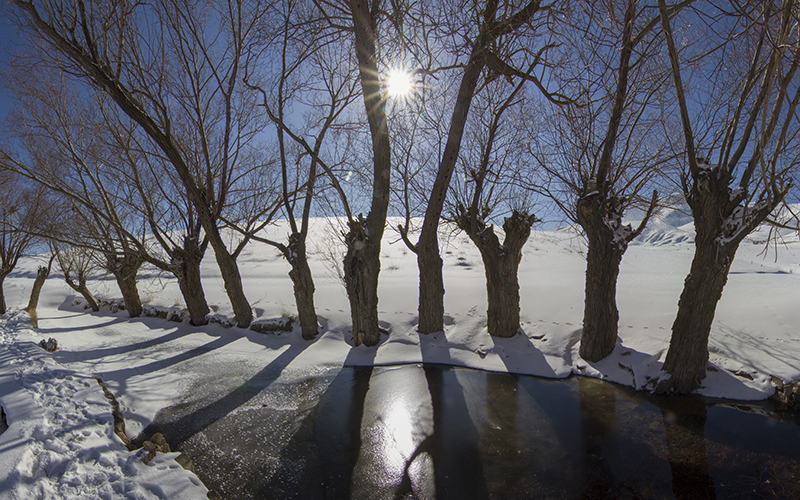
60, 441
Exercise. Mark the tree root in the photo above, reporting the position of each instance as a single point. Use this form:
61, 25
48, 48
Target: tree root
119, 420
154, 444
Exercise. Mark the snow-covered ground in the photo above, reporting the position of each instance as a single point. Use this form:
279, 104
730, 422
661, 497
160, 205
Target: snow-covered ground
60, 441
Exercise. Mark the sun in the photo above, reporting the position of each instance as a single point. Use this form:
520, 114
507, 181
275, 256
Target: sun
399, 83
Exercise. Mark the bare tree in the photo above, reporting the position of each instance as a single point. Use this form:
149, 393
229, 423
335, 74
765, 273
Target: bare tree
182, 86
361, 264
76, 264
490, 52
71, 147
174, 241
362, 260
42, 273
365, 20
492, 171
605, 154
23, 211
311, 76
746, 128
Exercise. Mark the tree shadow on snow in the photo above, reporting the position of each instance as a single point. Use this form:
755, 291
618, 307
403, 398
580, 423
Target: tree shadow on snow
520, 356
782, 353
193, 419
64, 356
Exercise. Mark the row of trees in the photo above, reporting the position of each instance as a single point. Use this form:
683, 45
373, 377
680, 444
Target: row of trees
158, 128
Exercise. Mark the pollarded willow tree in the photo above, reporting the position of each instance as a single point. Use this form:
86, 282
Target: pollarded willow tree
494, 167
42, 273
362, 261
601, 158
355, 73
175, 70
738, 145
367, 25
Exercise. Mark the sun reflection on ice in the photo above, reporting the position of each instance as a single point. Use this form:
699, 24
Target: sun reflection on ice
391, 460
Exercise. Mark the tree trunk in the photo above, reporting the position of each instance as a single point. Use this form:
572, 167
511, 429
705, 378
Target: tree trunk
431, 288
501, 264
502, 291
362, 260
688, 348
303, 286
87, 295
600, 314
41, 275
431, 283
186, 268
361, 267
720, 225
2, 294
124, 270
231, 277
82, 289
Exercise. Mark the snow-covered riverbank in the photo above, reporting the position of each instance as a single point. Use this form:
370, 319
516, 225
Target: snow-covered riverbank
60, 441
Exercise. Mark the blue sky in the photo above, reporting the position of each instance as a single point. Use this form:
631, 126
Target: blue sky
7, 46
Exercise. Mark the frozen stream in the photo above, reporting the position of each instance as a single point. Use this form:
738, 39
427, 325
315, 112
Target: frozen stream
434, 431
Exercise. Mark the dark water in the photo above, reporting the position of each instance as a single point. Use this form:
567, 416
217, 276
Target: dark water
444, 432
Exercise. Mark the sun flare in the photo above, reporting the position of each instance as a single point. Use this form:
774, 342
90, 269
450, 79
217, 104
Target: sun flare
399, 83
